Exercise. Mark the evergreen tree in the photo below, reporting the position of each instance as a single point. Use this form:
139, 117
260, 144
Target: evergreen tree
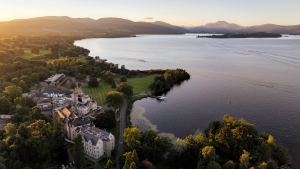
93, 82
132, 166
78, 152
59, 148
131, 157
109, 164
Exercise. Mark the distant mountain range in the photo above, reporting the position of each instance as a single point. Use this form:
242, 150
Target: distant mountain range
64, 24
225, 27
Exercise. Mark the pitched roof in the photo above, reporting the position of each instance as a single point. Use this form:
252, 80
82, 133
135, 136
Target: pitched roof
94, 134
78, 121
90, 137
60, 114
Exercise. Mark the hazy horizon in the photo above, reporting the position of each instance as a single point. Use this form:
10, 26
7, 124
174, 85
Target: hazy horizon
189, 14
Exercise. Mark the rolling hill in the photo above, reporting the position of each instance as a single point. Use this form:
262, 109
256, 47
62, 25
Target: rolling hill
123, 27
64, 24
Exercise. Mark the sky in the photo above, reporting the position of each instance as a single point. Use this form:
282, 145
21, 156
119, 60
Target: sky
176, 12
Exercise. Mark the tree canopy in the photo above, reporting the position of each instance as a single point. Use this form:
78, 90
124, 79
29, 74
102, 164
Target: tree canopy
93, 82
125, 88
78, 152
114, 98
105, 120
231, 143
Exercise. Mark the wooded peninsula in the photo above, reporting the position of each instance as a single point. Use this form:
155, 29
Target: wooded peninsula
245, 35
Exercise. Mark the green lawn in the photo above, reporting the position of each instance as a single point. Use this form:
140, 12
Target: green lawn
99, 94
141, 84
81, 59
28, 55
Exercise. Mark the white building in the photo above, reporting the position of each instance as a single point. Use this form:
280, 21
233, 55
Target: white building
84, 108
97, 143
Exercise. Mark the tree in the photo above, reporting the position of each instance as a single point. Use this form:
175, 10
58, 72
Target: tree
79, 76
131, 157
209, 153
15, 81
271, 165
2, 163
123, 79
125, 88
262, 165
114, 98
229, 165
132, 165
39, 141
213, 165
35, 77
12, 92
34, 50
280, 154
123, 70
59, 148
132, 137
26, 79
109, 164
78, 152
113, 84
5, 105
93, 82
42, 76
109, 80
73, 85
23, 85
105, 120
245, 160
153, 146
97, 166
20, 51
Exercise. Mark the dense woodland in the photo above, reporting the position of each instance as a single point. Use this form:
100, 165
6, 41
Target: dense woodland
33, 140
163, 83
230, 144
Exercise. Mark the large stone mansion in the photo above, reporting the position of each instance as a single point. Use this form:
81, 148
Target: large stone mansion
72, 109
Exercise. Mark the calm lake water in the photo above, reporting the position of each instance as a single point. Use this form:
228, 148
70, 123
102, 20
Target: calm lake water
254, 79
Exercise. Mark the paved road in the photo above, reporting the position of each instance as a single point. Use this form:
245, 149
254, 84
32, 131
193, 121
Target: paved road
121, 137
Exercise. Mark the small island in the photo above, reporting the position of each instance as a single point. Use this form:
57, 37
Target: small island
245, 35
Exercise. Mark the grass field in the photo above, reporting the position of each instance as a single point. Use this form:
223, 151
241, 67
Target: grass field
99, 94
28, 55
141, 84
82, 59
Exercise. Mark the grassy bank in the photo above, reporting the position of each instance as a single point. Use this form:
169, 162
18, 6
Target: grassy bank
99, 94
141, 84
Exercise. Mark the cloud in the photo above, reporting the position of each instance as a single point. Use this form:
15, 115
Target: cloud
149, 18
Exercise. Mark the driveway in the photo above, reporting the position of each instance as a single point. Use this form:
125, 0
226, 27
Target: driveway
121, 137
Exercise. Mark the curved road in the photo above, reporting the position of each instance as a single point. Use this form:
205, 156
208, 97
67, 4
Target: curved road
121, 137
